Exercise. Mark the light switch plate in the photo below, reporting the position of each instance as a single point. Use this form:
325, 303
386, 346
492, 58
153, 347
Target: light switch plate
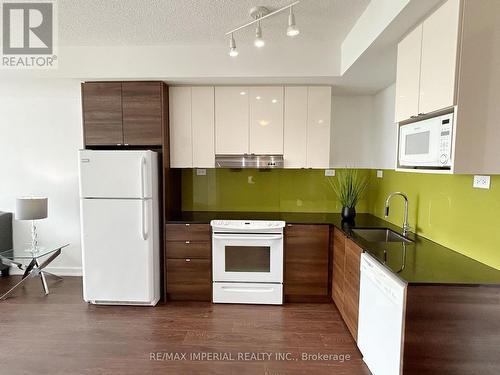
380, 174
481, 182
329, 172
201, 172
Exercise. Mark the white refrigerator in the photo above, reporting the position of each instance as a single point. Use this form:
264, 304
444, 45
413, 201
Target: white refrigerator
120, 227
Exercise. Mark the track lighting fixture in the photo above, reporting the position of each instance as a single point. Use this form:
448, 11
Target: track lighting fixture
259, 42
233, 52
292, 29
258, 14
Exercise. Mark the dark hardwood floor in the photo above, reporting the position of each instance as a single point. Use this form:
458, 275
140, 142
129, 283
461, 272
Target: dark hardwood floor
61, 334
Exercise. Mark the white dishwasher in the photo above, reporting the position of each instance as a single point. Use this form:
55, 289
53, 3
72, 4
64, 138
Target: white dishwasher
382, 301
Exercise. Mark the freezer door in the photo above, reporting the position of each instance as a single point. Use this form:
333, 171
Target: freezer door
118, 252
117, 174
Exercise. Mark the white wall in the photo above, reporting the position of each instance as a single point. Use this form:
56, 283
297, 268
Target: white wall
385, 129
369, 26
351, 132
40, 133
363, 131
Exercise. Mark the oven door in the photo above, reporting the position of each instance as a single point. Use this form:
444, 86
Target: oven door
419, 144
248, 257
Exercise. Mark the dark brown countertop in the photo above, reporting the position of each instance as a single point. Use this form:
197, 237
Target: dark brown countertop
420, 262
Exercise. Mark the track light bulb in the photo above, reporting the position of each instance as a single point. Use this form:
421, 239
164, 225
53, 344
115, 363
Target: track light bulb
292, 29
259, 42
233, 52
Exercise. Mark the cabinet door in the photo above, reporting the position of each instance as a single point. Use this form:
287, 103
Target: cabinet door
408, 75
266, 120
189, 279
306, 260
295, 127
439, 58
181, 148
318, 127
338, 269
142, 113
203, 127
102, 113
351, 286
231, 120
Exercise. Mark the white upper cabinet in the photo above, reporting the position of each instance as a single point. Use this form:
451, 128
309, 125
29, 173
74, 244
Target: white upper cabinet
427, 64
181, 148
231, 120
307, 127
191, 111
408, 75
289, 121
295, 131
439, 58
203, 127
319, 107
266, 120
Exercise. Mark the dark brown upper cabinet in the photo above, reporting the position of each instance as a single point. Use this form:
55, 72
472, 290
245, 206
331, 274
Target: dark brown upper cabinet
142, 113
102, 113
123, 113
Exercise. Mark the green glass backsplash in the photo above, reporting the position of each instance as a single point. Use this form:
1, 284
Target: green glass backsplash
445, 209
279, 190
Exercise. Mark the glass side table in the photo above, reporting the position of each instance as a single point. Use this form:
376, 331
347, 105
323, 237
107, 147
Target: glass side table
29, 262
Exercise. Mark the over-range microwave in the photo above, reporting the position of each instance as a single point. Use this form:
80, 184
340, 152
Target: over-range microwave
427, 144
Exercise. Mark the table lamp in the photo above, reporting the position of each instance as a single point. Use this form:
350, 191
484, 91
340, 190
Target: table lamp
31, 208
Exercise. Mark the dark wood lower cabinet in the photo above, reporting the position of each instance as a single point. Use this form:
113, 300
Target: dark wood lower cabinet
338, 254
351, 286
306, 263
189, 279
345, 279
452, 329
188, 265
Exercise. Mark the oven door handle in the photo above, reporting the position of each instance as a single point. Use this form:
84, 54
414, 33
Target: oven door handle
247, 237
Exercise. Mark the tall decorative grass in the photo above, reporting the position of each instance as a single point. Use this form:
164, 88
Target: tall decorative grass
349, 186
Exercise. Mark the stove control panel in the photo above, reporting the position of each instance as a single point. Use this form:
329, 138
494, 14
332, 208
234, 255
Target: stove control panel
245, 226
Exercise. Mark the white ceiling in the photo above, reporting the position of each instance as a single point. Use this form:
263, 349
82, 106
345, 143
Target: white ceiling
192, 22
183, 42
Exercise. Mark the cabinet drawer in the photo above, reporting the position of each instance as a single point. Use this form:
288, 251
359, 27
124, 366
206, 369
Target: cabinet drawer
187, 249
187, 232
189, 279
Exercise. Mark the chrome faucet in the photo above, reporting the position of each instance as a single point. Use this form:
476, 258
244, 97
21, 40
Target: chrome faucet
406, 226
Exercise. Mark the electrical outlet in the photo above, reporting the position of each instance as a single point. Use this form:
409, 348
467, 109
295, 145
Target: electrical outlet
380, 174
481, 182
329, 172
201, 172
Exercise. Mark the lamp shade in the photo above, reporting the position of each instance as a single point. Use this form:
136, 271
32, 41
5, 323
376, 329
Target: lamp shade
30, 208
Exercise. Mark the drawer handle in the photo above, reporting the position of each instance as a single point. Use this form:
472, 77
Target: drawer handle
188, 260
289, 225
188, 242
187, 225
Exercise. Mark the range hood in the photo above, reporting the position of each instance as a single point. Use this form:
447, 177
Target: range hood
249, 161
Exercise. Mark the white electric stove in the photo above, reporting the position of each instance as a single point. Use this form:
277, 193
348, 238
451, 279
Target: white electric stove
247, 261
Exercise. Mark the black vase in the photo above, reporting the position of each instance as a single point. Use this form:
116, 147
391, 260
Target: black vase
348, 213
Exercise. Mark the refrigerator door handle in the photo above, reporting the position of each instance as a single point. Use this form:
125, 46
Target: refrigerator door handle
143, 164
144, 232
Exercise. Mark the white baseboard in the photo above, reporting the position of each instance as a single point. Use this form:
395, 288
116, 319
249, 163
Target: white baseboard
60, 271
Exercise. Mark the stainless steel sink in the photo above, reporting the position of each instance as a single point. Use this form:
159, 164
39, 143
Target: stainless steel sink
380, 235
